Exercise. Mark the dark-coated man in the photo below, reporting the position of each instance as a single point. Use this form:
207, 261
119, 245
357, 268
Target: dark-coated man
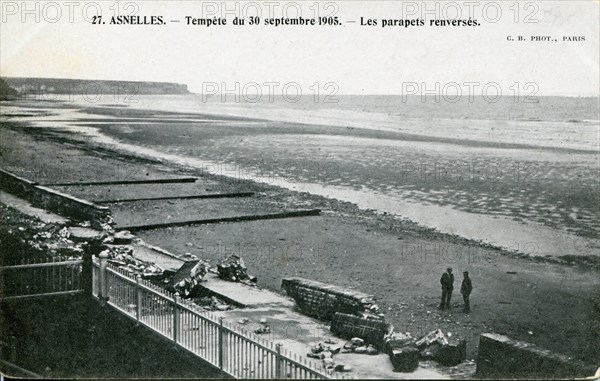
447, 282
465, 290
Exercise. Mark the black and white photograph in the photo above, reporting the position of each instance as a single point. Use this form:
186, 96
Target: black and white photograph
335, 189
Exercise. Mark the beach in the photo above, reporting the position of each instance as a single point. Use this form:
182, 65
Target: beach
522, 217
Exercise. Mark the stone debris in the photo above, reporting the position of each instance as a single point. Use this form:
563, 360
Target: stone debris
187, 278
263, 329
123, 237
233, 269
342, 368
405, 351
432, 337
123, 258
212, 303
323, 351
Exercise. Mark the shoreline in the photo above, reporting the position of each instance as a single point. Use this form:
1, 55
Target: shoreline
372, 252
94, 139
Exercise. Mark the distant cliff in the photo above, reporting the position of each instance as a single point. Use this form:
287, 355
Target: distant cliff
90, 87
6, 92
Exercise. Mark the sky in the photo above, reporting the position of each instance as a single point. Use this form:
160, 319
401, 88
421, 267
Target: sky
358, 59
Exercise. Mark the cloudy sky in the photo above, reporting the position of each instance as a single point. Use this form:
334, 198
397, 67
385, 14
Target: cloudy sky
360, 59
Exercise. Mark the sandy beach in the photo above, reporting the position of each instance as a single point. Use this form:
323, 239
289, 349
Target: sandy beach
525, 292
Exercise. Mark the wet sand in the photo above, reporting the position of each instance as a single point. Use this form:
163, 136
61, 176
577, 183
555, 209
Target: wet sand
394, 259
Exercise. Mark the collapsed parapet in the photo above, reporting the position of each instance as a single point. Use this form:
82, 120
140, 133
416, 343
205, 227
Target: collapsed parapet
57, 202
322, 300
372, 331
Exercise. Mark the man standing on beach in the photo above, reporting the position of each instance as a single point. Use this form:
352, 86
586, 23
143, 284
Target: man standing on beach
465, 290
447, 282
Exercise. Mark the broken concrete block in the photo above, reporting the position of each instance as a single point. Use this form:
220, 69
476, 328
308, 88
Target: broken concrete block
342, 368
362, 349
405, 359
372, 331
371, 350
317, 348
123, 237
452, 353
431, 337
431, 352
357, 341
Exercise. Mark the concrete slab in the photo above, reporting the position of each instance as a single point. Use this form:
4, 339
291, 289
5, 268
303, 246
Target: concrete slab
243, 295
125, 182
163, 213
100, 193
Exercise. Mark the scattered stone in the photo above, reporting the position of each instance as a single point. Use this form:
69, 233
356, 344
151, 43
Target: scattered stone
433, 336
233, 269
362, 349
328, 362
357, 341
263, 329
371, 350
123, 237
243, 321
342, 368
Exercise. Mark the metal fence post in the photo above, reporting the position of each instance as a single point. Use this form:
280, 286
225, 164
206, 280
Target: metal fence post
176, 318
221, 333
103, 283
278, 362
138, 298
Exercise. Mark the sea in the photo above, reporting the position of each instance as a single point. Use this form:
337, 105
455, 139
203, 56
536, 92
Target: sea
517, 173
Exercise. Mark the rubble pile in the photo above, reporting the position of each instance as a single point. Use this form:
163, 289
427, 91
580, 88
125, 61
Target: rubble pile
122, 257
444, 349
212, 303
233, 269
324, 351
322, 300
50, 240
189, 275
405, 352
